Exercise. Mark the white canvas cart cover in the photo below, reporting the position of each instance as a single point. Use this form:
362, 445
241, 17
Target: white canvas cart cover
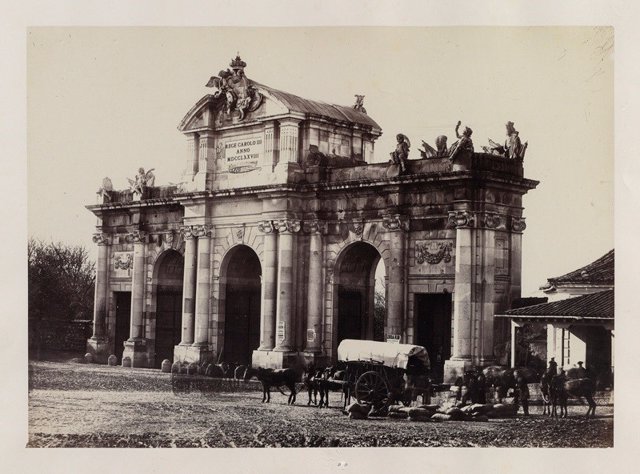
389, 354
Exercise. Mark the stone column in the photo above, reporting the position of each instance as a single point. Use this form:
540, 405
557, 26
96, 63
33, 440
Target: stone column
269, 287
486, 273
135, 346
189, 285
203, 285
97, 344
396, 226
463, 294
314, 289
287, 229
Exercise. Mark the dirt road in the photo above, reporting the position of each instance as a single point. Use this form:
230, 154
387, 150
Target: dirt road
98, 406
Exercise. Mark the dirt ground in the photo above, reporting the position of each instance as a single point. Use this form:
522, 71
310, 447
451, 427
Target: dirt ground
74, 405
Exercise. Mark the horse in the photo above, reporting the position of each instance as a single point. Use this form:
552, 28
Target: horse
504, 379
274, 378
563, 388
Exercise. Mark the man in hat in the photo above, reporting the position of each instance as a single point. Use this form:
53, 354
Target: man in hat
581, 371
553, 367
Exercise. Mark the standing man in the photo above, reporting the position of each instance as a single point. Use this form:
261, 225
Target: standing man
553, 367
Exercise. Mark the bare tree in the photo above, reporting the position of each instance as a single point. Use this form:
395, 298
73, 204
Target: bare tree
60, 281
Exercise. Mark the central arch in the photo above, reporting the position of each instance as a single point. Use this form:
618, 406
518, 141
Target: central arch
357, 270
242, 274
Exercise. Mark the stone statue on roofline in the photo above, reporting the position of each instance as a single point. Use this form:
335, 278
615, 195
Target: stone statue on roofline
359, 105
142, 181
464, 145
105, 189
513, 147
440, 151
401, 154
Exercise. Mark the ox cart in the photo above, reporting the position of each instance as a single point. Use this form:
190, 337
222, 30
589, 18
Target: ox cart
384, 373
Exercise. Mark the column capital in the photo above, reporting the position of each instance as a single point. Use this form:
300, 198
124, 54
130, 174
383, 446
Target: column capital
137, 237
314, 226
201, 230
266, 227
462, 219
396, 222
102, 239
518, 224
491, 220
288, 225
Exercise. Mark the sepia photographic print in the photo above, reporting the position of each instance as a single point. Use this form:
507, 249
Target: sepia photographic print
326, 237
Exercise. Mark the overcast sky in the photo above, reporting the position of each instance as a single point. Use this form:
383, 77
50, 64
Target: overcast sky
103, 102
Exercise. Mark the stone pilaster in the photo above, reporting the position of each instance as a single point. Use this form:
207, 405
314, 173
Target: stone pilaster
98, 343
136, 346
205, 156
287, 229
314, 289
191, 165
289, 131
396, 226
269, 145
269, 287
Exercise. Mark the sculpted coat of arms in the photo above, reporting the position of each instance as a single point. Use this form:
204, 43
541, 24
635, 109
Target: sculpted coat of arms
234, 89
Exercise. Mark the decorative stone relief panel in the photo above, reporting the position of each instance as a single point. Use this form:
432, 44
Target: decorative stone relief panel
122, 264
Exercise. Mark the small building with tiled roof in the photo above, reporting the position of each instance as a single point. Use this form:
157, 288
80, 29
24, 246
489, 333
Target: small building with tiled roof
579, 328
596, 276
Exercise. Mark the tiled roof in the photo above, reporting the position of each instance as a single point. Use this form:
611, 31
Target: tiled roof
595, 305
318, 108
600, 272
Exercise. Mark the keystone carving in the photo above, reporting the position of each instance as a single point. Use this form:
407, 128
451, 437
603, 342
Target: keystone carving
240, 233
358, 227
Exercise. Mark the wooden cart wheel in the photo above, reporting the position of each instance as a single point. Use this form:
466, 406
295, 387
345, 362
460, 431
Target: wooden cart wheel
372, 388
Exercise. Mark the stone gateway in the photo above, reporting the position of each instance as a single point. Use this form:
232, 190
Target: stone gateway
268, 248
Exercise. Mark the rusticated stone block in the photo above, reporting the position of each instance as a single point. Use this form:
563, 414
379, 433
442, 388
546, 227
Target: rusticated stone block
112, 360
166, 366
126, 362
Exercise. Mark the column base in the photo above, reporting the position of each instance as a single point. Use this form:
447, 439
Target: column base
454, 368
189, 353
98, 347
274, 359
136, 350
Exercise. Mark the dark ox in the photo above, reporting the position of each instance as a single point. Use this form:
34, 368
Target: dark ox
274, 378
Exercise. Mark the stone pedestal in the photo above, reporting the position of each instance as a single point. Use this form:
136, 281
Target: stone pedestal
98, 347
190, 353
136, 350
273, 359
455, 368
